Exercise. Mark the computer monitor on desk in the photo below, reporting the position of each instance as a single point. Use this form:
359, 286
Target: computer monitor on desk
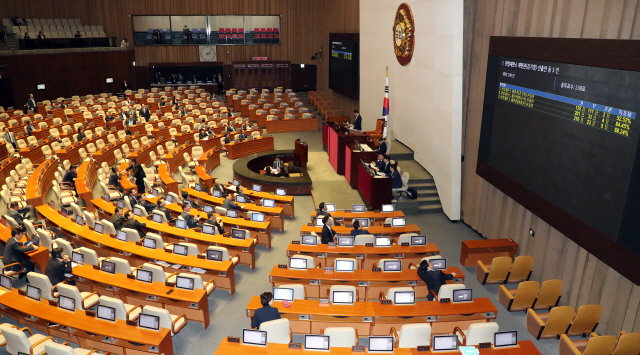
358, 208
180, 249
297, 263
379, 344
106, 313
149, 322
316, 342
418, 240
462, 295
238, 233
309, 240
392, 265
232, 213
344, 265
398, 222
331, 207
404, 297
282, 294
343, 297
144, 276
257, 217
383, 241
319, 222
505, 339
149, 243
364, 222
388, 208
67, 303
444, 343
6, 282
438, 264
215, 255
33, 292
217, 193
345, 241
77, 258
268, 203
254, 337
257, 188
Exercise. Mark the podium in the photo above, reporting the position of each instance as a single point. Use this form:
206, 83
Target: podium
375, 190
300, 154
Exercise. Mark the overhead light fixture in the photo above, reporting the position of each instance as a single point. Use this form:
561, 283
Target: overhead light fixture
301, 65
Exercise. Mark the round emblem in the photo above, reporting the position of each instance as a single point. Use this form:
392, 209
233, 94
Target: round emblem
403, 34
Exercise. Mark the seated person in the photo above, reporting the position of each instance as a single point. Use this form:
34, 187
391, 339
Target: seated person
322, 211
132, 223
77, 35
242, 136
387, 165
230, 128
278, 164
396, 179
192, 222
117, 219
382, 146
185, 198
58, 265
218, 226
246, 126
378, 164
162, 202
148, 206
14, 252
357, 229
266, 313
241, 193
328, 234
229, 204
217, 186
434, 279
133, 196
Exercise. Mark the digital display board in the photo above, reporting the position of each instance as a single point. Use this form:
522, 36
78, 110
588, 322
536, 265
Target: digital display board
344, 64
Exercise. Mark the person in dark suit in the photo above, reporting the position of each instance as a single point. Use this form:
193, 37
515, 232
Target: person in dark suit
132, 223
70, 176
218, 226
31, 102
278, 164
433, 278
58, 265
246, 126
194, 204
241, 193
41, 35
229, 204
14, 252
382, 146
138, 174
322, 210
203, 133
123, 116
144, 112
266, 313
114, 179
133, 197
10, 137
77, 35
19, 215
162, 202
183, 111
357, 123
125, 86
230, 128
191, 221
379, 164
220, 85
387, 165
129, 120
148, 205
396, 179
162, 102
242, 136
117, 219
357, 229
81, 135
210, 132
217, 185
108, 117
328, 234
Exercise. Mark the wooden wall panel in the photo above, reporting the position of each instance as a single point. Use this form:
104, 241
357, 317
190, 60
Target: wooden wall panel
586, 279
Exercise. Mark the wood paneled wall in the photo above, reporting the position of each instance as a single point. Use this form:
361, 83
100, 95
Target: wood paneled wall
587, 280
305, 27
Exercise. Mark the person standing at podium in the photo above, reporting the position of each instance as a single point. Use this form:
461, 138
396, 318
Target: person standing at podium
357, 123
382, 146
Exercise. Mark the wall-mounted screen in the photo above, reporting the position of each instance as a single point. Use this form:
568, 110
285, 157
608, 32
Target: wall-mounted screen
344, 64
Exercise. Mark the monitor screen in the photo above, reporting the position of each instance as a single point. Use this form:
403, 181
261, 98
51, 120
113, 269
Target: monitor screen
241, 199
404, 297
121, 236
388, 208
383, 241
257, 217
149, 322
155, 192
281, 192
77, 258
418, 240
180, 223
398, 222
319, 222
438, 264
392, 265
98, 228
185, 283
364, 222
254, 337
79, 220
157, 217
379, 344
331, 207
137, 212
268, 203
501, 339
343, 297
35, 240
207, 208
217, 193
180, 249
120, 204
309, 240
149, 243
282, 294
144, 275
108, 266
238, 233
169, 199
316, 342
108, 80
445, 342
208, 229
344, 265
107, 197
106, 313
33, 292
358, 208
214, 255
232, 213
236, 182
298, 263
197, 187
257, 188
67, 303
6, 282
345, 241
462, 295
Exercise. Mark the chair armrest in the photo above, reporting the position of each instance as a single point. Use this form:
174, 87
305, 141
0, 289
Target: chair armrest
593, 335
53, 293
434, 294
318, 265
65, 343
173, 274
464, 337
95, 351
622, 332
173, 324
381, 297
567, 347
40, 342
27, 329
85, 298
394, 334
535, 325
236, 255
481, 272
131, 310
210, 282
412, 266
505, 297
12, 264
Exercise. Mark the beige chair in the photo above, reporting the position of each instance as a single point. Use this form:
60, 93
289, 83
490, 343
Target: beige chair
342, 288
550, 293
550, 324
61, 349
476, 333
628, 344
167, 320
586, 320
412, 335
520, 299
299, 292
310, 259
123, 311
341, 337
364, 239
595, 345
17, 341
278, 331
521, 269
42, 282
235, 259
356, 262
446, 291
497, 272
84, 300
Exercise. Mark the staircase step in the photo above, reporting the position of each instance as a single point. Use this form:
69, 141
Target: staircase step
428, 200
422, 185
413, 181
430, 209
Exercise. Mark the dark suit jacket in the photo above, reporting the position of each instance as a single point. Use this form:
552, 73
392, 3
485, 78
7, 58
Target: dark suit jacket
380, 165
221, 188
278, 164
144, 112
114, 180
327, 235
231, 129
191, 222
396, 180
134, 224
32, 105
138, 172
386, 168
357, 124
56, 269
264, 314
355, 232
227, 140
166, 212
14, 252
230, 205
382, 148
132, 200
242, 136
17, 216
148, 206
434, 279
193, 203
30, 128
70, 176
117, 221
216, 227
202, 135
81, 136
321, 213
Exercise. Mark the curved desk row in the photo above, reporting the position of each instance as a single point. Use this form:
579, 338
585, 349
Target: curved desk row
286, 202
220, 271
38, 256
394, 232
349, 216
241, 149
244, 248
85, 180
40, 182
207, 162
7, 164
292, 125
374, 318
317, 281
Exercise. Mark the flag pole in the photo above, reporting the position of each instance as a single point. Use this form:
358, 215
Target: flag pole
385, 107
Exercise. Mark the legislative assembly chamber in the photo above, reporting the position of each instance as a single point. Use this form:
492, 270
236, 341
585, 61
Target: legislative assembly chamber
342, 176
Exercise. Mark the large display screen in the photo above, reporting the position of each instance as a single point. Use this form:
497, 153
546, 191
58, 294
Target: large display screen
568, 134
344, 64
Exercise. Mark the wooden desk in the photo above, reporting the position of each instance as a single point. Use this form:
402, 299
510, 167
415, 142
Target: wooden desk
368, 283
8, 164
33, 153
524, 347
286, 202
87, 177
347, 217
352, 158
107, 154
193, 304
244, 248
38, 256
142, 155
292, 125
175, 158
208, 161
274, 214
169, 184
337, 142
394, 232
375, 191
237, 150
485, 250
88, 332
220, 271
325, 254
40, 182
384, 316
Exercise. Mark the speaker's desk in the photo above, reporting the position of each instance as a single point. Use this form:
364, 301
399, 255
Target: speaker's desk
325, 254
192, 303
86, 331
220, 271
394, 232
256, 145
316, 281
374, 318
348, 216
286, 202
